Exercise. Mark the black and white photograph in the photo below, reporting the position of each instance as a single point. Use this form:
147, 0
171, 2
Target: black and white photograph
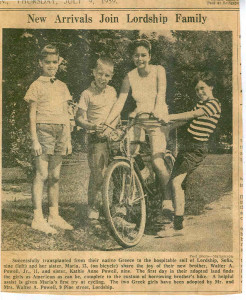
117, 140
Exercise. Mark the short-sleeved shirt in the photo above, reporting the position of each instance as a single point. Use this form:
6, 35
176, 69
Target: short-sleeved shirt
50, 96
97, 103
144, 89
202, 127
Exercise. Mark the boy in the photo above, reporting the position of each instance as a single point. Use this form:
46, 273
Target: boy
50, 133
203, 121
93, 108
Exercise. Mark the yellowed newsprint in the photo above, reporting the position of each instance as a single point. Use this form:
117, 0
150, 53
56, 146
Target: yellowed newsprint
149, 198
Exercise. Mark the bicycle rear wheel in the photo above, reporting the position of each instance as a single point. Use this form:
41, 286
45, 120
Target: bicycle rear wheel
124, 203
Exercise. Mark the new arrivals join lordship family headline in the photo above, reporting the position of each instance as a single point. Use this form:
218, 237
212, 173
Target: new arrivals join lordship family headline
146, 18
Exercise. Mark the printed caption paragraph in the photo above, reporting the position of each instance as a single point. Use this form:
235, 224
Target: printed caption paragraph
116, 273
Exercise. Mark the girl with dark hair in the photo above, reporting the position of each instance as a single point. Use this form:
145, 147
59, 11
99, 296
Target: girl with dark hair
147, 83
203, 121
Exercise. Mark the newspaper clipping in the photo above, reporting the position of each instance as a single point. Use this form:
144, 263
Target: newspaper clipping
121, 147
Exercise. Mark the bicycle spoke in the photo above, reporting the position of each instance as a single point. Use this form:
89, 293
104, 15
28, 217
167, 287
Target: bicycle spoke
125, 204
122, 189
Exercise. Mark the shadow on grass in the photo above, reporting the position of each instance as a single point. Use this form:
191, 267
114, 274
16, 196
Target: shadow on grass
17, 233
207, 184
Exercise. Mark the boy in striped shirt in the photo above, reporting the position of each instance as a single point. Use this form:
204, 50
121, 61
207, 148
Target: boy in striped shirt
203, 121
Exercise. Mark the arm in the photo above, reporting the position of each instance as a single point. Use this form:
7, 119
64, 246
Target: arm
81, 120
119, 104
36, 147
69, 144
209, 109
186, 116
176, 124
161, 109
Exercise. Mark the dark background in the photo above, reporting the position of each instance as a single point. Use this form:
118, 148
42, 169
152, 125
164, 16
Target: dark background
182, 53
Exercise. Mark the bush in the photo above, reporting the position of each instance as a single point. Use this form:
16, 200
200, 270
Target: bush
182, 53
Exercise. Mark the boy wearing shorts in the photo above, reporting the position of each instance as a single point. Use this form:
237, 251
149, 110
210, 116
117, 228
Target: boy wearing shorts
50, 132
93, 108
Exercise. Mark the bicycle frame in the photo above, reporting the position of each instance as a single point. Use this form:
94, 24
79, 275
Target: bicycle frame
129, 158
127, 195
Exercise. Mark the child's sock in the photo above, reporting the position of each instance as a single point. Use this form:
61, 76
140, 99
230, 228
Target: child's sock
38, 214
39, 223
54, 211
178, 222
56, 220
92, 213
167, 204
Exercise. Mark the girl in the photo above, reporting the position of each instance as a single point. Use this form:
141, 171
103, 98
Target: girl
147, 83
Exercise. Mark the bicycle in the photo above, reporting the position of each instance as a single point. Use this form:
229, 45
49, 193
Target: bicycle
126, 193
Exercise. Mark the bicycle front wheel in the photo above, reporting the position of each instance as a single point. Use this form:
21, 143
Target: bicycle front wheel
124, 203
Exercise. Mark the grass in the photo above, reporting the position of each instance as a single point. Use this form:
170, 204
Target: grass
210, 181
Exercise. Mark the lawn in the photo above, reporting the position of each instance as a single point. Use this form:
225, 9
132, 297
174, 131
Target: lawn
207, 184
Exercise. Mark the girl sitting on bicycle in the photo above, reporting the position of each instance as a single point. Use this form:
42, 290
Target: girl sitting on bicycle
147, 83
203, 121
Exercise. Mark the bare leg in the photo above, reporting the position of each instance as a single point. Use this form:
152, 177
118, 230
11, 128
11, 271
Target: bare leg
136, 134
39, 223
53, 192
178, 194
158, 147
54, 176
41, 163
167, 202
179, 207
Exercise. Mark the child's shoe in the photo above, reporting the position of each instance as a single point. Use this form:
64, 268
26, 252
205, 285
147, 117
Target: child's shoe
118, 210
169, 231
123, 224
178, 222
59, 222
175, 229
42, 225
92, 214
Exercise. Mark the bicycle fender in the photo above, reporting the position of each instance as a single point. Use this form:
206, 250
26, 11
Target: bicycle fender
122, 158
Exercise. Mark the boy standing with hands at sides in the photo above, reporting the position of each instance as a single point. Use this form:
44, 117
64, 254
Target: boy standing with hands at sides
50, 132
93, 108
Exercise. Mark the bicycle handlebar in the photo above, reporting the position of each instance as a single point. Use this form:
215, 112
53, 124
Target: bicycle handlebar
137, 117
149, 116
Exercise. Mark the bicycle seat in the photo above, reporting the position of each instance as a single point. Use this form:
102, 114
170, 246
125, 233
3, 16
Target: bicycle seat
145, 116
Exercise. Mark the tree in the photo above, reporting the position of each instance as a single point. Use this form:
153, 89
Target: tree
182, 53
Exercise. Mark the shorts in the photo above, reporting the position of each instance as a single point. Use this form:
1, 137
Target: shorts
189, 158
52, 138
157, 136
